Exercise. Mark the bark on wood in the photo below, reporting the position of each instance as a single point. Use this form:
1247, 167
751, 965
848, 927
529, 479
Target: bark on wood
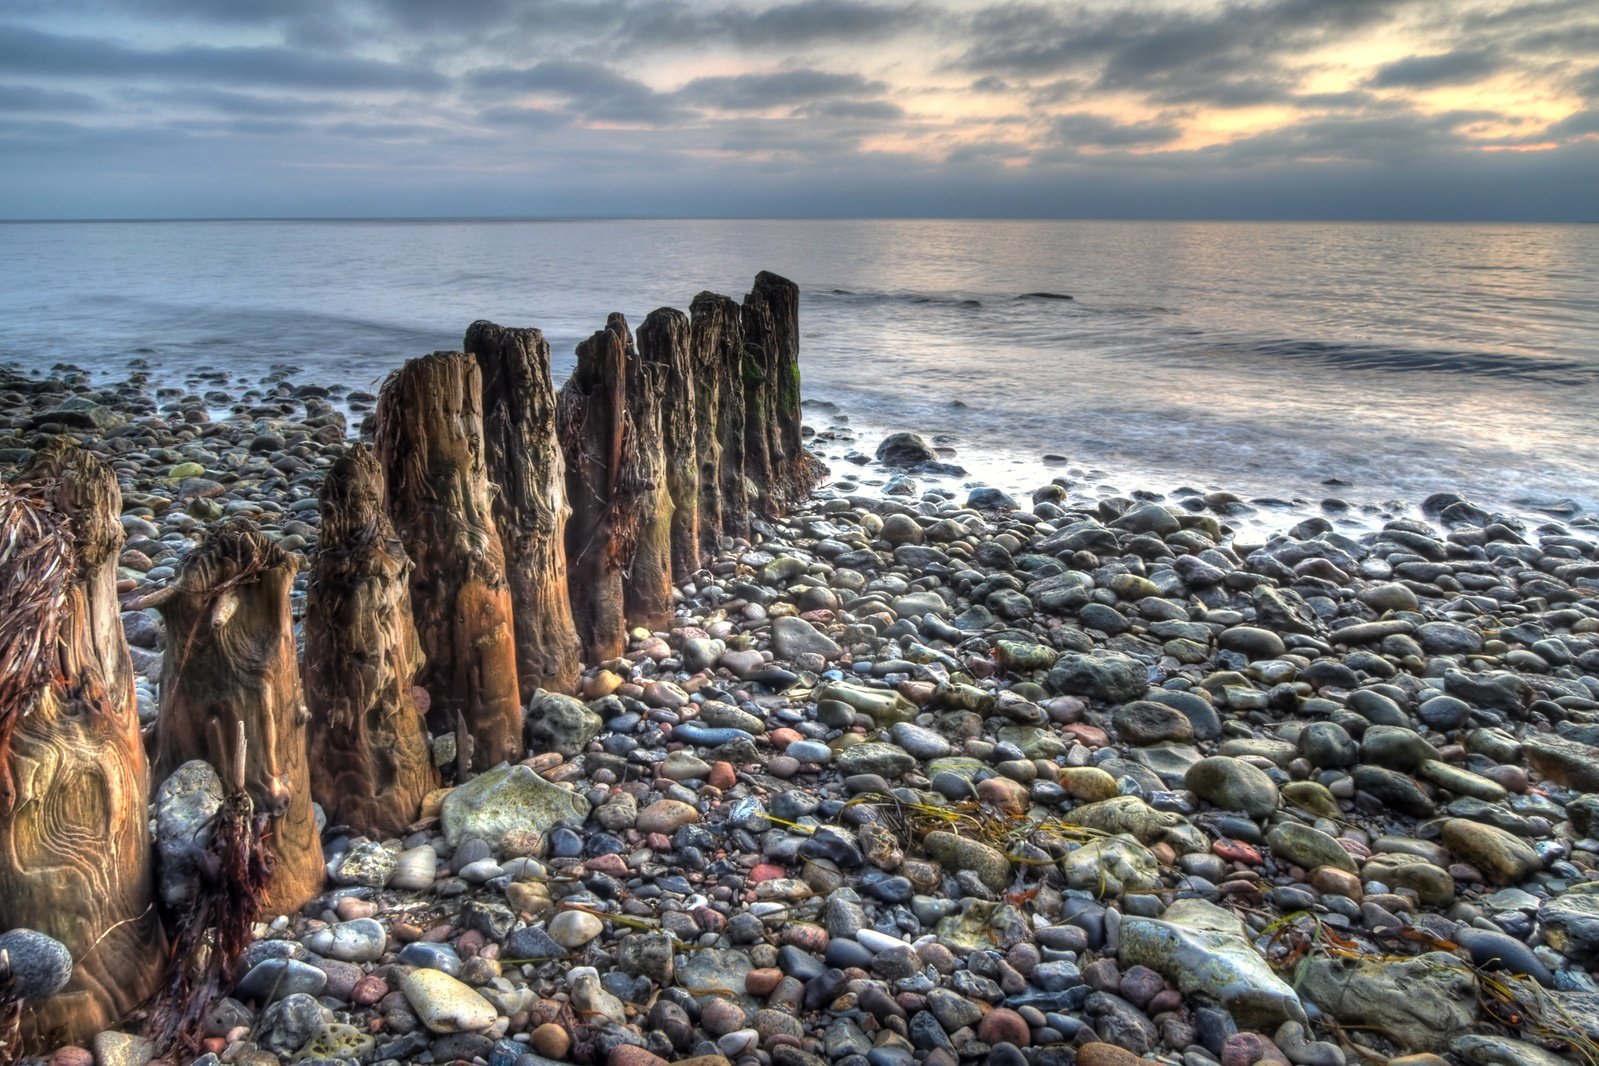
370, 760
663, 344
647, 576
528, 471
606, 489
431, 447
230, 671
75, 858
716, 343
775, 453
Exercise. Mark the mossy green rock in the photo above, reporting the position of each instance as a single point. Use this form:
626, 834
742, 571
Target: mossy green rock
1309, 847
1425, 1001
1232, 785
962, 853
1109, 866
1503, 857
509, 798
183, 470
880, 705
1203, 950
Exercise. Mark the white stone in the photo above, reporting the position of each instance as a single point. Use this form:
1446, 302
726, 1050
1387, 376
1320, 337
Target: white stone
573, 929
445, 1005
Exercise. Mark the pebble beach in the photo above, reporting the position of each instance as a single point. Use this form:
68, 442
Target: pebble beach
940, 773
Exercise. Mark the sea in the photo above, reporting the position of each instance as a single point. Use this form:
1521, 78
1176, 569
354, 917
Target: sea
1324, 364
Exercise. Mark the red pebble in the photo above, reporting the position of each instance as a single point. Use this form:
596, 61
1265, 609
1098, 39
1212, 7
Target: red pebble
1091, 735
369, 990
722, 776
610, 864
766, 871
1235, 851
782, 738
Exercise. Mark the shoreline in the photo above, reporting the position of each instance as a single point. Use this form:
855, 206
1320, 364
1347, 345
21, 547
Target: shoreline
1135, 726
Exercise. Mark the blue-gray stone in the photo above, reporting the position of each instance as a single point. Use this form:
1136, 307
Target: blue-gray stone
41, 965
430, 956
274, 979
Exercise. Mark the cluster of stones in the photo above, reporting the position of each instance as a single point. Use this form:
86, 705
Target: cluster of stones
1154, 743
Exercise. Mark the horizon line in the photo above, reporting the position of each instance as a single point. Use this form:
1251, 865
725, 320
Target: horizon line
797, 218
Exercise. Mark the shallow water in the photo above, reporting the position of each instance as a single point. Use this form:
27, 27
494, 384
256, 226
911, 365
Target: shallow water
1264, 358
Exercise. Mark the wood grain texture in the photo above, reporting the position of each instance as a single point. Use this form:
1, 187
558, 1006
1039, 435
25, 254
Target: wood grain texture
230, 669
371, 764
647, 575
75, 857
663, 345
431, 447
716, 344
528, 471
776, 457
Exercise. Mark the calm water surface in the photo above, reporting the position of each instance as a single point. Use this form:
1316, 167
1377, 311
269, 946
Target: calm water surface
1263, 358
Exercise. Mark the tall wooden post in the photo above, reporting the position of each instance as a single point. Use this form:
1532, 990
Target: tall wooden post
230, 673
778, 462
605, 487
716, 343
663, 344
430, 444
528, 472
75, 858
647, 575
370, 759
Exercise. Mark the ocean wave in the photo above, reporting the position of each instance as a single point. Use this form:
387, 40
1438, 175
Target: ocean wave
1551, 370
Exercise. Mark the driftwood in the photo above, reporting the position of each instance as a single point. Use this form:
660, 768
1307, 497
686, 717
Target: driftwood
604, 486
663, 345
230, 695
716, 344
775, 455
528, 472
647, 575
370, 760
431, 447
75, 858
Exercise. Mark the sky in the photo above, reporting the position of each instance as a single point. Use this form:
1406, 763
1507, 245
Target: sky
1345, 109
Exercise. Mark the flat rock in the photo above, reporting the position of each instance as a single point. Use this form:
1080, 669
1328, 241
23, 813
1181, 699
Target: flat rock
506, 799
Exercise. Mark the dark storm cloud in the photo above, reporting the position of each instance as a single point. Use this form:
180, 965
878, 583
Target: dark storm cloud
1430, 71
757, 92
1096, 131
591, 90
1578, 125
30, 51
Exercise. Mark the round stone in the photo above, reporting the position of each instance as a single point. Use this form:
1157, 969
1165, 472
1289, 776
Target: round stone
573, 929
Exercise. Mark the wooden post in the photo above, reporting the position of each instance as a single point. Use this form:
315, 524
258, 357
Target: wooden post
75, 858
370, 760
230, 674
528, 471
716, 343
431, 447
663, 343
647, 575
598, 438
776, 457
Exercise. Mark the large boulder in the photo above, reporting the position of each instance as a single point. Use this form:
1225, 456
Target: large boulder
1109, 676
509, 798
905, 450
1425, 1001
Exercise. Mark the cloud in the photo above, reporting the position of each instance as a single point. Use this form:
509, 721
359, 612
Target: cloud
29, 51
1583, 123
853, 110
1096, 131
1431, 71
591, 90
15, 98
759, 92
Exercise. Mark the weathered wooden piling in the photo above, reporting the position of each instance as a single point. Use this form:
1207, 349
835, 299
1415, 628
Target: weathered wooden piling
528, 471
430, 443
370, 760
716, 343
647, 574
604, 486
663, 346
775, 455
75, 857
230, 695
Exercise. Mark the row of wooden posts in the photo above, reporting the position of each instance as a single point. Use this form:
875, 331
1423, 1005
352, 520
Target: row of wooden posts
497, 536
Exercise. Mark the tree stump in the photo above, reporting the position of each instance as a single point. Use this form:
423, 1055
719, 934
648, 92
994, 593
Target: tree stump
647, 575
716, 344
530, 509
606, 489
776, 458
230, 672
75, 859
371, 764
663, 344
431, 447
